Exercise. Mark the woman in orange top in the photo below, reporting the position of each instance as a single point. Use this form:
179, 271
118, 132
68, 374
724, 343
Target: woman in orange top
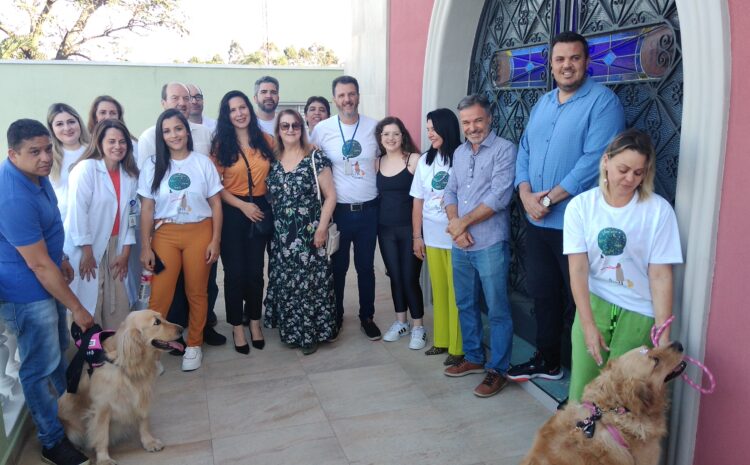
243, 154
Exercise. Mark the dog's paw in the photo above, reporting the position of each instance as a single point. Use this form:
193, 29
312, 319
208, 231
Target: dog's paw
153, 445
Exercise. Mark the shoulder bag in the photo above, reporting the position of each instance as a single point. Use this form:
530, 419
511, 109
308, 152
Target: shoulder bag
332, 243
263, 227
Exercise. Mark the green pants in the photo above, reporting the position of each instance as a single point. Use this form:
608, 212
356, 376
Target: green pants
622, 331
447, 329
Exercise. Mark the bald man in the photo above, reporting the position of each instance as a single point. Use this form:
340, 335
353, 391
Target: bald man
196, 108
174, 95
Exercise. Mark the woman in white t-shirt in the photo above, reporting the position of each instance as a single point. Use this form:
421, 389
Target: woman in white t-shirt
69, 140
428, 230
181, 219
621, 240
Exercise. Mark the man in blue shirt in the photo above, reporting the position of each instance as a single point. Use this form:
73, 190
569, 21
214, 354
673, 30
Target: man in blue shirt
558, 158
476, 202
34, 278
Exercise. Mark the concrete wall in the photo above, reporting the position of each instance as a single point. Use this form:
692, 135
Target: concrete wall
408, 25
723, 421
368, 61
30, 87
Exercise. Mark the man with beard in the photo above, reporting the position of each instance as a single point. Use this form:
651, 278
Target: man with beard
266, 99
477, 201
348, 140
196, 108
558, 158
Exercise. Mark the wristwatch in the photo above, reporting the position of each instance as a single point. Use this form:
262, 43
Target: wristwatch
546, 201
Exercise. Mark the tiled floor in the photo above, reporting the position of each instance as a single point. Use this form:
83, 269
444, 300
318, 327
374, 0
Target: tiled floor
352, 402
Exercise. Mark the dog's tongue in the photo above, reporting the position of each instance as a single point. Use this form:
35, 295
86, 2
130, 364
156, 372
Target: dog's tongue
176, 345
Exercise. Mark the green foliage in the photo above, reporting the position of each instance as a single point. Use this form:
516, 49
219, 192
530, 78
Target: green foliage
65, 29
268, 54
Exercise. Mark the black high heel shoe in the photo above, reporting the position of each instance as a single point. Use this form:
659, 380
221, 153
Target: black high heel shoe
241, 349
259, 344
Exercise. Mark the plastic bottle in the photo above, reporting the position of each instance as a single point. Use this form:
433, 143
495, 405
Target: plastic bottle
144, 290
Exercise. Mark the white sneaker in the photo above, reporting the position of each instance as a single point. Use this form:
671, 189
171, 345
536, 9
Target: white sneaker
396, 330
418, 338
192, 359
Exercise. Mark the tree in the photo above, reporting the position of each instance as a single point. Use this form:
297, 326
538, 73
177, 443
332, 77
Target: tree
268, 54
215, 60
64, 29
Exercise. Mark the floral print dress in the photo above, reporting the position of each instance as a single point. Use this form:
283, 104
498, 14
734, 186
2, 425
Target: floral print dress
300, 300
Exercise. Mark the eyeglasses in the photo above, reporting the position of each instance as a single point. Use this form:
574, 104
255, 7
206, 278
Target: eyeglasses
196, 97
293, 126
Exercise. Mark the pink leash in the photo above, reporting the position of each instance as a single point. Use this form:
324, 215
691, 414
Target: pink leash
656, 333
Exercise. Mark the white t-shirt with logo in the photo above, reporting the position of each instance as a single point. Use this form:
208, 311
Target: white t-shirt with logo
355, 177
429, 185
184, 191
621, 242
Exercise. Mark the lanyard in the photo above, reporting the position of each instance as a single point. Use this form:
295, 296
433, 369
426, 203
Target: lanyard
346, 149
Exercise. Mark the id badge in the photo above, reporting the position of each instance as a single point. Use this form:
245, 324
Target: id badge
132, 220
348, 167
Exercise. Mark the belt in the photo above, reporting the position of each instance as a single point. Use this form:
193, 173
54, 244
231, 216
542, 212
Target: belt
357, 207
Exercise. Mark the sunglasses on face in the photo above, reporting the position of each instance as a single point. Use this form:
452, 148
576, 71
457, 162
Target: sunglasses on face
287, 126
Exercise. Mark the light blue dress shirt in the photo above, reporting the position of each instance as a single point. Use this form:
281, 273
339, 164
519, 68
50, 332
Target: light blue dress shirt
563, 143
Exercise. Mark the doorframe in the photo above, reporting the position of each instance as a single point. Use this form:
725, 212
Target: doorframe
706, 68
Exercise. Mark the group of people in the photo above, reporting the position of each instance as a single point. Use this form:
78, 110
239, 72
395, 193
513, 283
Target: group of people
85, 208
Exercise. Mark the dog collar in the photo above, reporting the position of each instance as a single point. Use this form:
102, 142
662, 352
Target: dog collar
588, 425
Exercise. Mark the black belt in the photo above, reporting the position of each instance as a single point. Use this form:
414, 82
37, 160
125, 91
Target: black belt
357, 207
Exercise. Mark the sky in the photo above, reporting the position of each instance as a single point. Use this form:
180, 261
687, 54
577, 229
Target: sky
213, 24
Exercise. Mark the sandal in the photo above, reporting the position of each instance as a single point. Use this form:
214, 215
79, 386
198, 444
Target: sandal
435, 350
453, 360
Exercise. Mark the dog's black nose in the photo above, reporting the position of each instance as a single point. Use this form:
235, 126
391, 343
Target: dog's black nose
676, 345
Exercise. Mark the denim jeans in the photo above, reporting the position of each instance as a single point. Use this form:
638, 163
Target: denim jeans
361, 229
41, 329
484, 270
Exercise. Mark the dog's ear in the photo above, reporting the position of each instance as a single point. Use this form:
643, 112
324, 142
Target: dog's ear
129, 347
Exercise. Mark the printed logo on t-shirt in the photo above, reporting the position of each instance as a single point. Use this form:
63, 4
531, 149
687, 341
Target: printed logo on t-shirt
179, 181
440, 180
351, 148
612, 242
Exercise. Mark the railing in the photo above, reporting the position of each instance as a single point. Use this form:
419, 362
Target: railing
11, 395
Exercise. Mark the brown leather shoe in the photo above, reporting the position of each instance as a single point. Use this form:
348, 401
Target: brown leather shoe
463, 368
492, 384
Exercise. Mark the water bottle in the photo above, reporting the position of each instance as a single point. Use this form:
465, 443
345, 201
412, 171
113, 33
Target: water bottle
144, 290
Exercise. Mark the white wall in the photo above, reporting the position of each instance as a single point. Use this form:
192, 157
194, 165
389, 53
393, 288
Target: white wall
369, 55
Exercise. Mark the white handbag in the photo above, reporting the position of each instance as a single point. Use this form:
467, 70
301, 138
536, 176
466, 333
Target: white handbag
332, 243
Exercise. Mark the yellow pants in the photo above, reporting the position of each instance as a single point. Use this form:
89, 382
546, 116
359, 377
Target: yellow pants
183, 247
447, 329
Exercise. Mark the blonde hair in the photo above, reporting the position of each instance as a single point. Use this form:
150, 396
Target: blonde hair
303, 142
639, 141
57, 146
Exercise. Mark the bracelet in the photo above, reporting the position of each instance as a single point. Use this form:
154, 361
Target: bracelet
65, 258
416, 237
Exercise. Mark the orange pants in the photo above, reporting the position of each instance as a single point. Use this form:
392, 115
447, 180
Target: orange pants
183, 247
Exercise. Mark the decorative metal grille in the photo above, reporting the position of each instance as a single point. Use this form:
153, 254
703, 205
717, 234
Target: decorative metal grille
635, 50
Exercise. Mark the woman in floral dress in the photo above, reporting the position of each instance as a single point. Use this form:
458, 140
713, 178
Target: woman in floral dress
300, 299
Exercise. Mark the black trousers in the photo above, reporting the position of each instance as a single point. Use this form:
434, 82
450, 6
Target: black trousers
178, 311
243, 260
548, 283
403, 268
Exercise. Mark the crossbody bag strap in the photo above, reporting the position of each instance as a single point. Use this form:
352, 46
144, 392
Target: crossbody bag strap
249, 177
315, 175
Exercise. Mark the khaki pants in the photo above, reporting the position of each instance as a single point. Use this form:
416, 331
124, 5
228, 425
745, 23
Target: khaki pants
112, 304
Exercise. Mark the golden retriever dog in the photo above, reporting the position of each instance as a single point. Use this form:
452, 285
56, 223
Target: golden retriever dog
117, 396
622, 417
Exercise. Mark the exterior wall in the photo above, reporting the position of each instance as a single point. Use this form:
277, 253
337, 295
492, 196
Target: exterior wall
368, 61
30, 87
724, 415
408, 24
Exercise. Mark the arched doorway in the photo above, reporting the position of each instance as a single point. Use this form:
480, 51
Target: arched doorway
635, 50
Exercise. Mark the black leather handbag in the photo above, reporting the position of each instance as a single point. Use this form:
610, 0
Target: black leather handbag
263, 227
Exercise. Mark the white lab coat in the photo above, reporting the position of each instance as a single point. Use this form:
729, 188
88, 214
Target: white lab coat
92, 206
